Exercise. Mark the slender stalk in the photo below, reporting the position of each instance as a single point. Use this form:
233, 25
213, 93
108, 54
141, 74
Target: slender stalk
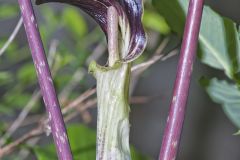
45, 81
12, 37
112, 30
33, 100
175, 119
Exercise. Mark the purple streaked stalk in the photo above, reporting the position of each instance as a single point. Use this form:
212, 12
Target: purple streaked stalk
176, 115
45, 80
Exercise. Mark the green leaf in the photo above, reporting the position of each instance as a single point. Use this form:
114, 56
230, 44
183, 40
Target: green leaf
45, 153
50, 25
64, 59
82, 140
228, 95
44, 33
173, 12
8, 11
83, 145
51, 17
72, 19
12, 157
239, 31
4, 110
219, 42
3, 127
237, 133
5, 78
16, 99
156, 22
27, 74
135, 155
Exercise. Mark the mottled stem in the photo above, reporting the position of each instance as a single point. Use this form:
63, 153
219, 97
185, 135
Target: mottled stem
45, 81
175, 119
112, 94
112, 30
113, 111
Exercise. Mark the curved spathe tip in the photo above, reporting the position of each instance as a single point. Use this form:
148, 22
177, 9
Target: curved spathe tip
130, 22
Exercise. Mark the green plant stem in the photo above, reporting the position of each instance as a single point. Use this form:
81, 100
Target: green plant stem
113, 111
112, 93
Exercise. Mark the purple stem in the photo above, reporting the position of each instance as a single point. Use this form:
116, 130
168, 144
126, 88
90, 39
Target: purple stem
176, 115
45, 80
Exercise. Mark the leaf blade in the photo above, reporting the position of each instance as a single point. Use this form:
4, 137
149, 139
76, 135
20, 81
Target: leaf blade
228, 95
218, 39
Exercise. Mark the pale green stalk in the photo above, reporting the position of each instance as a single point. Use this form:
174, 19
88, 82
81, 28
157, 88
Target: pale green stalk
112, 93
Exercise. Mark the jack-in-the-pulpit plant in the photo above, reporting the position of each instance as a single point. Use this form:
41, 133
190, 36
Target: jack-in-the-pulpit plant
121, 22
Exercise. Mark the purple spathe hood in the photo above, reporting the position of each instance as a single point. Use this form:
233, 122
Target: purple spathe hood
130, 16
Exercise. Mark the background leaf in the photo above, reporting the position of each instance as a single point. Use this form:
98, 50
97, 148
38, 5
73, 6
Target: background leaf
219, 47
5, 77
27, 74
8, 11
156, 22
219, 42
74, 22
226, 94
83, 145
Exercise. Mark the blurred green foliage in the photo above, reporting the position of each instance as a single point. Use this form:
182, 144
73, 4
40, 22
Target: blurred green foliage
83, 145
226, 94
156, 22
73, 21
76, 38
8, 11
219, 43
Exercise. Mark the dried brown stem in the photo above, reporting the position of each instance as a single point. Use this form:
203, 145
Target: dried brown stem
12, 146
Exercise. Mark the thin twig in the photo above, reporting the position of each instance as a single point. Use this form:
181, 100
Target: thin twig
141, 67
97, 53
12, 146
68, 108
12, 36
73, 82
138, 69
64, 94
37, 131
162, 46
31, 119
23, 153
18, 121
80, 73
43, 125
79, 100
52, 52
33, 100
145, 65
81, 107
